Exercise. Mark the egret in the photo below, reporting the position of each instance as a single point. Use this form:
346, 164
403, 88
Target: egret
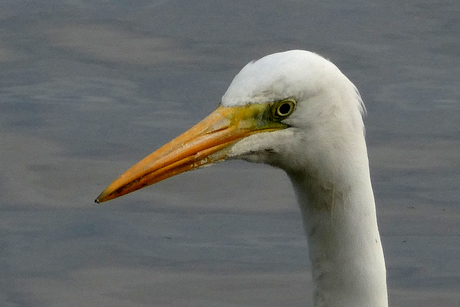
297, 111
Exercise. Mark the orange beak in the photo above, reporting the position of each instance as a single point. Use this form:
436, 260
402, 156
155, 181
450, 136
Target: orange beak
206, 143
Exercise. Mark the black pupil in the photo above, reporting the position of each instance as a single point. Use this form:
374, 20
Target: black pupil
284, 109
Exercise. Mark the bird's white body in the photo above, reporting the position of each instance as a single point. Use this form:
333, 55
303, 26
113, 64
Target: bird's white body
324, 153
294, 110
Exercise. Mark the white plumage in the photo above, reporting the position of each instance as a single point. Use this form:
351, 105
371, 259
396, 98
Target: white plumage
296, 111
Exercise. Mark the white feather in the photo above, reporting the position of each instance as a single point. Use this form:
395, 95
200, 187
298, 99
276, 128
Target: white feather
324, 153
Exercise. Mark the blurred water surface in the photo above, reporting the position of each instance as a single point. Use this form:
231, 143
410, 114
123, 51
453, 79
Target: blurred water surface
88, 87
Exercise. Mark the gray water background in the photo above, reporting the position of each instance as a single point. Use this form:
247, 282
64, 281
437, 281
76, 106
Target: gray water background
87, 88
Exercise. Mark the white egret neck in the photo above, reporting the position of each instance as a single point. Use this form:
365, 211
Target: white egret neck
324, 153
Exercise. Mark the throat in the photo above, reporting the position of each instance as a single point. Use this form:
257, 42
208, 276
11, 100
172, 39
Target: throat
344, 242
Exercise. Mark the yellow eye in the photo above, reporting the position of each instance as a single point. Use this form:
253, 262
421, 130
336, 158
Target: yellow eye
283, 108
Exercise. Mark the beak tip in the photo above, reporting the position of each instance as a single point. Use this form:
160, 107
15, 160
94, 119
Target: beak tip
101, 198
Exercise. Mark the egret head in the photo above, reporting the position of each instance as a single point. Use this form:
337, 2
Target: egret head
327, 108
274, 108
